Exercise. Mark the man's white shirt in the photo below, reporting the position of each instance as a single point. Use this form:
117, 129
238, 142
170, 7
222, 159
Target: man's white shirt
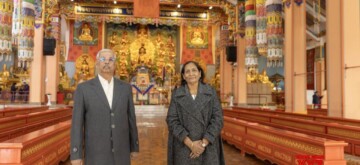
108, 89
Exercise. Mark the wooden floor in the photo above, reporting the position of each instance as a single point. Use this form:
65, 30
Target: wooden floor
153, 134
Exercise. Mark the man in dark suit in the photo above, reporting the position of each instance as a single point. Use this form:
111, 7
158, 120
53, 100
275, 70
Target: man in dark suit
103, 118
316, 100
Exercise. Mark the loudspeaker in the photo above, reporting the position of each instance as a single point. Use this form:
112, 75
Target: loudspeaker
49, 46
231, 54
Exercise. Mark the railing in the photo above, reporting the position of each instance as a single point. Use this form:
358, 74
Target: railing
261, 99
14, 97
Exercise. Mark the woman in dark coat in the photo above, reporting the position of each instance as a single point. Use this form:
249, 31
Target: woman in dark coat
195, 120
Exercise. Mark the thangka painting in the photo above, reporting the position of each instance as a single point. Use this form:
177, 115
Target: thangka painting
197, 37
86, 33
197, 44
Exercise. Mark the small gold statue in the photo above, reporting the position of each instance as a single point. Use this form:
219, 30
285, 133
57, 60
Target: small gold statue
158, 41
122, 65
65, 81
252, 76
114, 39
5, 73
124, 39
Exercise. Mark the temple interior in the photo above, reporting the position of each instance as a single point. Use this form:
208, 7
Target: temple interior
286, 73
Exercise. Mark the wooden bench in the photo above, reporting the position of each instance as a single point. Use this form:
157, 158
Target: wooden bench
11, 127
279, 146
323, 112
49, 145
13, 111
334, 131
327, 119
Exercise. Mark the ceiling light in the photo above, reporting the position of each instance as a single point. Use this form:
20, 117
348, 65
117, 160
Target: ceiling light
210, 7
115, 2
179, 5
72, 0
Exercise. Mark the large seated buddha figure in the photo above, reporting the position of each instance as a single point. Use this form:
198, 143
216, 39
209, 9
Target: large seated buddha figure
197, 37
85, 33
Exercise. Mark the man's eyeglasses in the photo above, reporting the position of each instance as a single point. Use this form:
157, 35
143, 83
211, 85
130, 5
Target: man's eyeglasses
103, 59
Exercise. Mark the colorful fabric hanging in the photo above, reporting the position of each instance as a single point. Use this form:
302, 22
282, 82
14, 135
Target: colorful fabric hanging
274, 33
16, 22
26, 38
6, 7
261, 20
251, 53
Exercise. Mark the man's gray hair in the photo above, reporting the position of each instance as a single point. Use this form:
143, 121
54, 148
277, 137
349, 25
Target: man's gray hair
102, 51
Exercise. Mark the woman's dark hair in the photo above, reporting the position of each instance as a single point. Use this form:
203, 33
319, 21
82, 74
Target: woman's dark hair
183, 81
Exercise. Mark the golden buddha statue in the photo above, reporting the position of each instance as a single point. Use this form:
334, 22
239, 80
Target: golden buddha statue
170, 43
142, 32
142, 55
160, 61
171, 48
251, 76
114, 39
215, 81
122, 65
263, 77
197, 37
158, 41
84, 68
5, 73
85, 33
124, 39
65, 80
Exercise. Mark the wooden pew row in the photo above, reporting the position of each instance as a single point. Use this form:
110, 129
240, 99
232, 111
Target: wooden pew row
334, 131
279, 146
46, 146
13, 111
327, 119
323, 112
11, 127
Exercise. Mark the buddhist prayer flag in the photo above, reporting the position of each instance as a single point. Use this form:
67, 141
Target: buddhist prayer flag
147, 8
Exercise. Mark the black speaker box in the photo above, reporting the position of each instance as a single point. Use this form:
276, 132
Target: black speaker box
49, 46
231, 54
